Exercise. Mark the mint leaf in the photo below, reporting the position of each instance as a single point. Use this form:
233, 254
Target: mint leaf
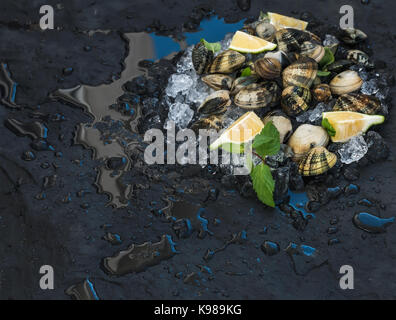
263, 184
267, 142
214, 46
321, 73
246, 72
330, 130
327, 59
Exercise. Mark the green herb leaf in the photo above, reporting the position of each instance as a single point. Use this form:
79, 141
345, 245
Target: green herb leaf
321, 73
214, 46
327, 59
263, 184
246, 72
330, 130
267, 142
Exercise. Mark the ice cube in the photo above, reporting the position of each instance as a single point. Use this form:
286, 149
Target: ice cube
181, 114
178, 83
316, 114
353, 150
330, 40
370, 87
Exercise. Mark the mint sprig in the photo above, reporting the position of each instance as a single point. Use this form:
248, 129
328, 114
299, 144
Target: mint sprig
266, 143
246, 72
213, 46
327, 59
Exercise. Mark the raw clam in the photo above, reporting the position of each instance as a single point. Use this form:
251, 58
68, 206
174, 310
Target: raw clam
242, 82
266, 31
301, 73
290, 40
295, 100
346, 82
201, 58
257, 95
322, 92
358, 56
339, 66
357, 102
218, 81
306, 137
268, 68
284, 59
216, 103
312, 50
317, 161
283, 124
227, 62
211, 122
352, 36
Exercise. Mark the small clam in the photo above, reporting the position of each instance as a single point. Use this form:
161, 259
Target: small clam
357, 102
216, 103
322, 92
339, 66
358, 56
295, 100
218, 81
266, 31
346, 82
284, 59
227, 62
301, 73
290, 40
352, 36
241, 83
268, 68
211, 122
305, 138
312, 50
283, 124
316, 162
201, 58
256, 95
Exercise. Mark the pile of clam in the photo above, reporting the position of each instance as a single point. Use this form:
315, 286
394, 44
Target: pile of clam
285, 80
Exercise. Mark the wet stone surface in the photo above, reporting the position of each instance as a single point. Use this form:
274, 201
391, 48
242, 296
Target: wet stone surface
219, 250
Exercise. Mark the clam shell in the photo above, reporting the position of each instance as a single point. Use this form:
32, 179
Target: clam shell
212, 122
322, 92
346, 82
215, 103
218, 81
283, 124
256, 95
352, 36
266, 31
305, 138
357, 102
201, 58
316, 162
295, 100
339, 66
284, 59
358, 56
242, 82
312, 50
290, 40
227, 62
301, 73
268, 68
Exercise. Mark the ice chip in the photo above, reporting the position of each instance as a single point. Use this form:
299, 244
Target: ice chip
353, 150
370, 87
316, 114
178, 83
330, 40
181, 114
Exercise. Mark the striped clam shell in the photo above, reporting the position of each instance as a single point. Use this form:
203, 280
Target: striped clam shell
322, 92
290, 40
295, 100
266, 31
268, 68
257, 95
312, 50
358, 56
218, 81
357, 102
212, 122
242, 82
352, 36
215, 103
201, 58
301, 73
227, 62
317, 161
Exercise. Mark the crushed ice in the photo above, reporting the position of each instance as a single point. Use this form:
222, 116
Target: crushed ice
353, 150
